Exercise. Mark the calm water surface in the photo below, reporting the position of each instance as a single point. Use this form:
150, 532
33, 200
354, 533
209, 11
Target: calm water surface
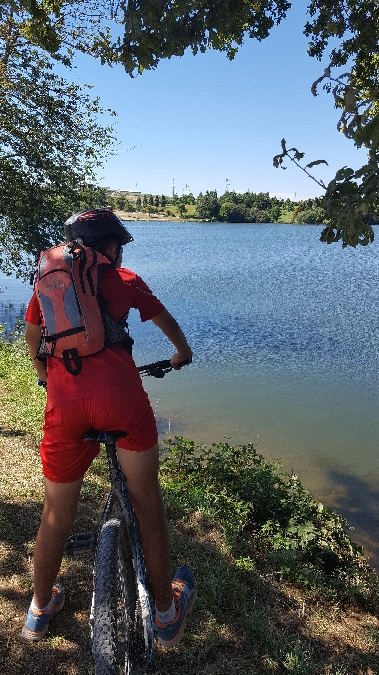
285, 335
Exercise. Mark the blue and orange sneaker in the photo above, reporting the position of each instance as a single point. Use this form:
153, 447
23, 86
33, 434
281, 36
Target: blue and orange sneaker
37, 620
184, 591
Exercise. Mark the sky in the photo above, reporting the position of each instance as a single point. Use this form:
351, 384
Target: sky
203, 123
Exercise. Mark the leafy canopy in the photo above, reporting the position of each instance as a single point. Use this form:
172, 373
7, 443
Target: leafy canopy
352, 27
152, 29
50, 147
140, 33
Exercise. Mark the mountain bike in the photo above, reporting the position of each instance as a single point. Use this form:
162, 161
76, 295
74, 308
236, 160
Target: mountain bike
121, 619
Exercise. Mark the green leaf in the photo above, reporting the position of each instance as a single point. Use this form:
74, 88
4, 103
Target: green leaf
316, 162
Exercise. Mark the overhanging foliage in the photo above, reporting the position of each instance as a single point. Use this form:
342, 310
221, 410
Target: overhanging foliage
152, 30
50, 147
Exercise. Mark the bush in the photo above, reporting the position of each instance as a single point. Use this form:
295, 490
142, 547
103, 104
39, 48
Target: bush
313, 216
267, 516
232, 213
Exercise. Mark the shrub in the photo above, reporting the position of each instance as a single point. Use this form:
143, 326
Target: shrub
267, 516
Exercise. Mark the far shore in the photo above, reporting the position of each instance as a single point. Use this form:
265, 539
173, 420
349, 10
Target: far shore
141, 215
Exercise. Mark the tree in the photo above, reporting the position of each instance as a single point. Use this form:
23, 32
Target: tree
288, 205
182, 210
129, 207
351, 201
275, 213
262, 201
188, 198
163, 201
207, 206
138, 203
156, 201
60, 27
121, 203
355, 24
232, 213
313, 216
152, 30
50, 147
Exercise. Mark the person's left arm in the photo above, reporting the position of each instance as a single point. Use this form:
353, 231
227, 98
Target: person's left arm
170, 327
33, 339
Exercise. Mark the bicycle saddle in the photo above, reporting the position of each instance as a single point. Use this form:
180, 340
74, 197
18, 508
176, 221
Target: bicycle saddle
103, 436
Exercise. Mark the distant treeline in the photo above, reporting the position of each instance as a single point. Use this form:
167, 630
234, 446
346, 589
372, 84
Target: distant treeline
231, 207
250, 207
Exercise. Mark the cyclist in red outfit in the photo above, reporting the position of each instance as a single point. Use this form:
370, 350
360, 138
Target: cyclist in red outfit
107, 395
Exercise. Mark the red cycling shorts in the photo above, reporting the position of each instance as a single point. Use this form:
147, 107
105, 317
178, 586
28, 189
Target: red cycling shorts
66, 456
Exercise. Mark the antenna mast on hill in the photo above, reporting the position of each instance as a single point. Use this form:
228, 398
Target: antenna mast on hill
173, 187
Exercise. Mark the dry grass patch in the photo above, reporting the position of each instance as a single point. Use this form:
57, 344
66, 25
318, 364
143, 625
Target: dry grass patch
272, 627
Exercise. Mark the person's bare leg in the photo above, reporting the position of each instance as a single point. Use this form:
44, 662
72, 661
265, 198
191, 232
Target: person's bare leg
141, 472
61, 501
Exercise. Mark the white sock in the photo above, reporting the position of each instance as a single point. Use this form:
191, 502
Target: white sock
43, 609
168, 616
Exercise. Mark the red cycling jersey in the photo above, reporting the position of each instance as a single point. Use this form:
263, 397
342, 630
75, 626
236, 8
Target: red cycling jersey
112, 369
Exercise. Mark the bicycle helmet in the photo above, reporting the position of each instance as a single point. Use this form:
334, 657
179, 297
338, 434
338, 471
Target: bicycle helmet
94, 224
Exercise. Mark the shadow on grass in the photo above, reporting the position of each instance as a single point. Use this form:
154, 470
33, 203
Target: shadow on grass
243, 623
246, 623
11, 432
67, 648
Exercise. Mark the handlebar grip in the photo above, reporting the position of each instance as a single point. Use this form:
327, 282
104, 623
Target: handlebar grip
157, 364
161, 368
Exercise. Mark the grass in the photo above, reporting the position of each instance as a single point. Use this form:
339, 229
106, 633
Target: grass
281, 587
190, 210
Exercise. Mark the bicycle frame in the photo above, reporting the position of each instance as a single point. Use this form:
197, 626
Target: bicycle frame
118, 505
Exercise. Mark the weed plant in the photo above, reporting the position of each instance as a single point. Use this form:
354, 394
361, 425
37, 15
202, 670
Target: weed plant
269, 520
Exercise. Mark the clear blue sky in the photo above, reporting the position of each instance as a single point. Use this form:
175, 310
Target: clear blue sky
201, 120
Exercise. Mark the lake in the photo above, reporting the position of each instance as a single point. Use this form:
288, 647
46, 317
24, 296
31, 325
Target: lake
284, 331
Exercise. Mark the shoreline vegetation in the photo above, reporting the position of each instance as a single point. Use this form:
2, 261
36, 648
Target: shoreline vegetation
142, 216
231, 207
282, 589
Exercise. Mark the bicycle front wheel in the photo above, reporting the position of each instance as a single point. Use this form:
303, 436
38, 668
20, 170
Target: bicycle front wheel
118, 635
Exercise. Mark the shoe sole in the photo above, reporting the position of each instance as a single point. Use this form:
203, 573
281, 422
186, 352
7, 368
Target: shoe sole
179, 635
29, 636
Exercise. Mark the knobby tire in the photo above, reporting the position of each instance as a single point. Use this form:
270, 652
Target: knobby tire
118, 641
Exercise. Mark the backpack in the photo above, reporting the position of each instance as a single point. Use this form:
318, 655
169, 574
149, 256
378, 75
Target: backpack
75, 323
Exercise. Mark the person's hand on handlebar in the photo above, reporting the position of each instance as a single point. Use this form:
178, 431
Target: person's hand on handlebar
179, 360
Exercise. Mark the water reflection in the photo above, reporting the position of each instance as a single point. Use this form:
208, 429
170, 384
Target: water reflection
357, 501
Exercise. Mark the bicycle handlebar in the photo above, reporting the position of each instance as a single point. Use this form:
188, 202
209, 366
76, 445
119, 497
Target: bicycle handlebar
160, 368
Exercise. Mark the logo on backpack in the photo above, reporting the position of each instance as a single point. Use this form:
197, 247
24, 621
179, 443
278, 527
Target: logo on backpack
67, 286
55, 284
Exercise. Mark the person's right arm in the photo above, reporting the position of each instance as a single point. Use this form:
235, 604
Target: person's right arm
169, 326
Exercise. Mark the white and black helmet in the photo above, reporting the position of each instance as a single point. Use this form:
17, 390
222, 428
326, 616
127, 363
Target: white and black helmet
95, 224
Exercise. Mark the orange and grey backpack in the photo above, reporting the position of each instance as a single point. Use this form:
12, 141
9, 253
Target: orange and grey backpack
68, 288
